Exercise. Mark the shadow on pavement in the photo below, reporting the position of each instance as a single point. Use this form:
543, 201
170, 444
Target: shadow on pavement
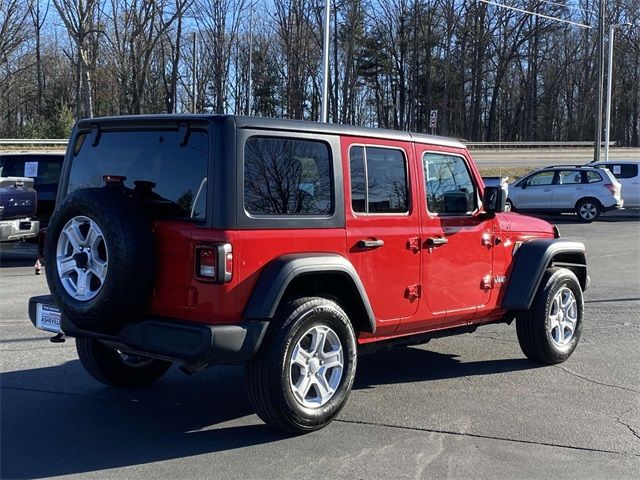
57, 421
409, 364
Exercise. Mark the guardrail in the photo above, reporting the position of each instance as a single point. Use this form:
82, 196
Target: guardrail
33, 141
576, 144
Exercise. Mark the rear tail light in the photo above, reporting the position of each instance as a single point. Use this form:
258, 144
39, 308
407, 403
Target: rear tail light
206, 263
613, 188
214, 263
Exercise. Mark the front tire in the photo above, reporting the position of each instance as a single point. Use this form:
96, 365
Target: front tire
588, 210
303, 373
549, 331
118, 369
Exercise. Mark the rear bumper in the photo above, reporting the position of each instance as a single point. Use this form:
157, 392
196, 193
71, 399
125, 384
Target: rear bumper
616, 206
18, 229
174, 339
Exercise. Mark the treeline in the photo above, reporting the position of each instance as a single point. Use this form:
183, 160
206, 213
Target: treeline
492, 73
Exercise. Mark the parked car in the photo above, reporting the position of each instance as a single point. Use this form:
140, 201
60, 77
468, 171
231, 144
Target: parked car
44, 169
290, 247
628, 174
587, 191
17, 209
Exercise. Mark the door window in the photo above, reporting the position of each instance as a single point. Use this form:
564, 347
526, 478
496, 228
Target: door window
378, 180
449, 186
542, 178
569, 177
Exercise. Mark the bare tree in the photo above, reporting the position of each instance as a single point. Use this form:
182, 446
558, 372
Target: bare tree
79, 17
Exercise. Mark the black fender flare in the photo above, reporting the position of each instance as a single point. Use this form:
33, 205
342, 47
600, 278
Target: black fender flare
530, 262
280, 272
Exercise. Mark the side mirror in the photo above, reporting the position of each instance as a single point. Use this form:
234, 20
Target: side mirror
524, 185
494, 200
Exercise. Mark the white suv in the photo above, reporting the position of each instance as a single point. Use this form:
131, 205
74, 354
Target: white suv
588, 191
627, 172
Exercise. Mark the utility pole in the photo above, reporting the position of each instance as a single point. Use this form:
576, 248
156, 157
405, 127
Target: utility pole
325, 64
193, 78
600, 86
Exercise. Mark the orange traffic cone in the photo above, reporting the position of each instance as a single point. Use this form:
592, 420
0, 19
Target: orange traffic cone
38, 266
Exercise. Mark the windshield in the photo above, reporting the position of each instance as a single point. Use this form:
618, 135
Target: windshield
153, 165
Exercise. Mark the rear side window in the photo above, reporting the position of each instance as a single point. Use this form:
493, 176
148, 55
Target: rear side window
378, 180
623, 170
449, 186
286, 176
171, 177
593, 177
569, 177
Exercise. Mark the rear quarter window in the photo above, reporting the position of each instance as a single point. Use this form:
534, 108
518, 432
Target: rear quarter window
593, 177
287, 176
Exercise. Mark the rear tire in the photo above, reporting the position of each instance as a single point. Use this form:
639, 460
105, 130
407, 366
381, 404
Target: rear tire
302, 375
117, 369
588, 210
549, 331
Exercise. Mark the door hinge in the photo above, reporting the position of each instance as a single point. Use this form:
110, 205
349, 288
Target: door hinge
413, 291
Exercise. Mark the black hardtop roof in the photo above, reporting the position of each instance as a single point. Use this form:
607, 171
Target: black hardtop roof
276, 124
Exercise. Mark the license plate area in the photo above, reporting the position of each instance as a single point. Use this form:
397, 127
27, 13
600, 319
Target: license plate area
48, 318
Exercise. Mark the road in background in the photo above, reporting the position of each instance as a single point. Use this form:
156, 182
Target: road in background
542, 157
470, 406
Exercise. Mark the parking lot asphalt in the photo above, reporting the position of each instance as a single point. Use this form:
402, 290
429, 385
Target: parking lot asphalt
470, 406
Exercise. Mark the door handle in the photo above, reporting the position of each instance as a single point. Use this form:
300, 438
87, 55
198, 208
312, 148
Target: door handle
547, 190
436, 241
370, 243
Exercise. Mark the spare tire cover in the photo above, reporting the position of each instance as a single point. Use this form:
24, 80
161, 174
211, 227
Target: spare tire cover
100, 258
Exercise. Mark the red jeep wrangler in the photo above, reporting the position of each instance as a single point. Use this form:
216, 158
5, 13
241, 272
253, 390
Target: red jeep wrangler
289, 246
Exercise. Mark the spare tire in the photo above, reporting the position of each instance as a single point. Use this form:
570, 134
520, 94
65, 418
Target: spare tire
100, 258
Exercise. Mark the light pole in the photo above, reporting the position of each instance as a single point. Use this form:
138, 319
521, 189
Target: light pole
250, 82
325, 64
194, 92
596, 149
607, 127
